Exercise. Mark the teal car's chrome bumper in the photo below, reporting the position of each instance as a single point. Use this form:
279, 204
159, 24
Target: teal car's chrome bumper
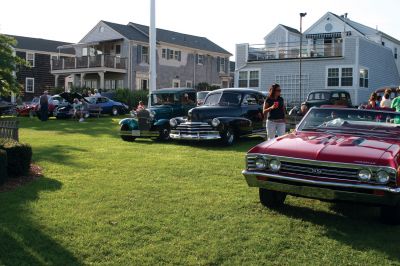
140, 133
378, 195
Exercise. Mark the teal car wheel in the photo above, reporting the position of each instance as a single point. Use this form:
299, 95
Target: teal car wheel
124, 129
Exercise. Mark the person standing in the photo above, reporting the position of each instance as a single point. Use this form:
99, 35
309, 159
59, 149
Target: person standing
274, 110
44, 106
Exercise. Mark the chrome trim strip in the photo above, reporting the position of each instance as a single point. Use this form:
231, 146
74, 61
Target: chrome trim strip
314, 182
211, 135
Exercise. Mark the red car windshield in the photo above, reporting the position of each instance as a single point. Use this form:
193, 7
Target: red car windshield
353, 121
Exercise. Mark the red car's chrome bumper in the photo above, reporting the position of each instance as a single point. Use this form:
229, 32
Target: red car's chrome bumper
331, 191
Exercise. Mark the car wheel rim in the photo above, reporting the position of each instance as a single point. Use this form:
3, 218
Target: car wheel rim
115, 111
229, 137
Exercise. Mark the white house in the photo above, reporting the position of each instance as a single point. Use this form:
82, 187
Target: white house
337, 53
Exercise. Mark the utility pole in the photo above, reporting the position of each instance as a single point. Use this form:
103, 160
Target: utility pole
302, 15
153, 48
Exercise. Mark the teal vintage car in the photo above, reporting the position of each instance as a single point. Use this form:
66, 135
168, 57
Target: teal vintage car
153, 122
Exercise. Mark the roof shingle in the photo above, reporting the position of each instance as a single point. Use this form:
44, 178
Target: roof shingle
37, 44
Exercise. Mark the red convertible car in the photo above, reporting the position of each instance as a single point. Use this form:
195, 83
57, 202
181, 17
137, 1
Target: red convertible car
333, 155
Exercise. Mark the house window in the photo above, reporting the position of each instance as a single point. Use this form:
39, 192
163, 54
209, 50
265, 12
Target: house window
254, 80
189, 84
118, 49
347, 76
30, 57
164, 53
200, 59
395, 53
243, 79
84, 51
101, 29
145, 54
364, 78
170, 54
30, 85
222, 64
176, 83
333, 77
144, 84
383, 43
178, 55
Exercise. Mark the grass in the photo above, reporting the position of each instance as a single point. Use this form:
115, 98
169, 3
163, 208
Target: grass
107, 202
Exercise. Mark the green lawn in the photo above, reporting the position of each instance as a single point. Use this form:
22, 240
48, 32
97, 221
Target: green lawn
107, 202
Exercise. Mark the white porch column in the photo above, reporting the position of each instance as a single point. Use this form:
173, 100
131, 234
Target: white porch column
101, 74
56, 80
82, 80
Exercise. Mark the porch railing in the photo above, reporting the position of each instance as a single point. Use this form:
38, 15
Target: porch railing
267, 52
9, 129
97, 61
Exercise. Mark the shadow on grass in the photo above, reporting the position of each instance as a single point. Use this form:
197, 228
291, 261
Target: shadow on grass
241, 145
58, 154
22, 242
355, 225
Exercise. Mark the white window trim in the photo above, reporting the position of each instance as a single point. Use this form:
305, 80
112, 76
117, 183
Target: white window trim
191, 83
222, 66
359, 77
33, 85
198, 61
176, 81
248, 70
340, 76
26, 58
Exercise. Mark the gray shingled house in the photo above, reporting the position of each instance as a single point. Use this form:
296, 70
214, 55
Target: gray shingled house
114, 56
337, 52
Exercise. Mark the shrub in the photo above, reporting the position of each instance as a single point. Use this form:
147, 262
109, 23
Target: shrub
3, 166
131, 98
19, 157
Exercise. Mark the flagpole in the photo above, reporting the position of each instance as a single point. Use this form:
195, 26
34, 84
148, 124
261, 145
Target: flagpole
153, 47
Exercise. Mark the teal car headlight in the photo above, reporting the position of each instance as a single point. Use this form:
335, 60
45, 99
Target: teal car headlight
152, 114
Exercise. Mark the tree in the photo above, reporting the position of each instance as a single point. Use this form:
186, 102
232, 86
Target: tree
8, 65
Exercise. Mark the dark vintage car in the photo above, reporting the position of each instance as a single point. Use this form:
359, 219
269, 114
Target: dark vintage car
153, 122
226, 115
393, 91
335, 154
7, 108
328, 97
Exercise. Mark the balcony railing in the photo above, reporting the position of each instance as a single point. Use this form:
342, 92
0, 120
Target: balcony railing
98, 61
292, 51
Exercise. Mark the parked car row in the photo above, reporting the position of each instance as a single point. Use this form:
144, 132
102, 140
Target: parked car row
225, 115
337, 153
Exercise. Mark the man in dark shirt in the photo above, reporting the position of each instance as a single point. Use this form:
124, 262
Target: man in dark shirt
44, 106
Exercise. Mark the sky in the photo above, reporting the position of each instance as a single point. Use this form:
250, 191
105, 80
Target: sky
225, 22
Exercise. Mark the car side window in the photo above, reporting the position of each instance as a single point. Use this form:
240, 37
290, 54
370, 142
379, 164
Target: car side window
335, 96
250, 99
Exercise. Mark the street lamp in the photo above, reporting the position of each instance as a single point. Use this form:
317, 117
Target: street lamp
302, 15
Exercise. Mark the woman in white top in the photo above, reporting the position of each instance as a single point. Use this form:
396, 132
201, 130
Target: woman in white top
386, 102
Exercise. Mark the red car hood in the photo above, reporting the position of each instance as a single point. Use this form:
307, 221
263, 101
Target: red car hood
334, 148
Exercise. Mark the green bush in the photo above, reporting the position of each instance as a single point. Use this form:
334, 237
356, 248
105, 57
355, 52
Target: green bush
19, 157
3, 166
131, 98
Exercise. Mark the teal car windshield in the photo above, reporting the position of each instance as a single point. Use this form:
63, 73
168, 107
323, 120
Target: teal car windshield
163, 99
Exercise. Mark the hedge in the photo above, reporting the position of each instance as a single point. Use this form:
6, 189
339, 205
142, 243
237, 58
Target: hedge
3, 166
19, 157
131, 98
